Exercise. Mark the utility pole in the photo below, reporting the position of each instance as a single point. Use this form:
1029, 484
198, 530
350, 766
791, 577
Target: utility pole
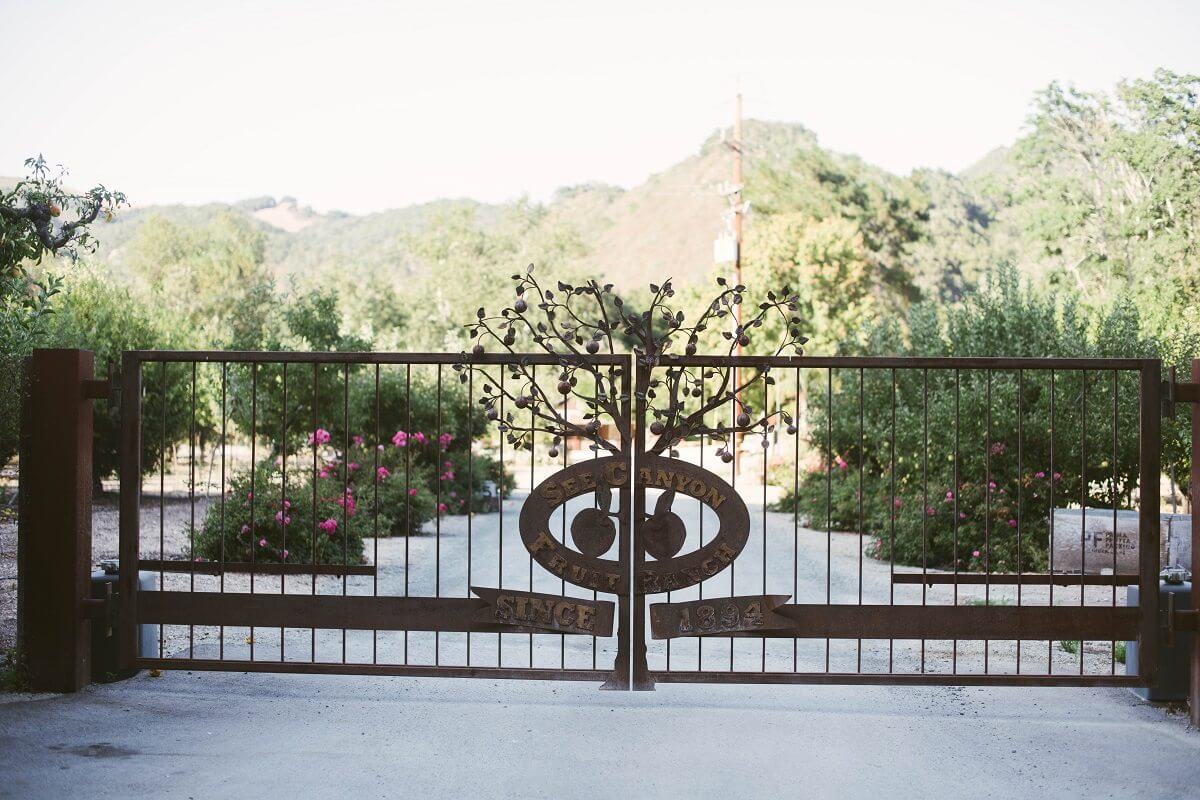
738, 208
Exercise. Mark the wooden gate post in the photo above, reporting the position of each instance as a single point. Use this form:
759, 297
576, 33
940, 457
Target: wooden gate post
55, 552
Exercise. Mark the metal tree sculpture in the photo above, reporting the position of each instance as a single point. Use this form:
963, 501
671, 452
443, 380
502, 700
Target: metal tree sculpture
572, 323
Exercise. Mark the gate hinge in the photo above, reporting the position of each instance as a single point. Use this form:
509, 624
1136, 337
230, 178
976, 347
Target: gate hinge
107, 388
1176, 391
102, 609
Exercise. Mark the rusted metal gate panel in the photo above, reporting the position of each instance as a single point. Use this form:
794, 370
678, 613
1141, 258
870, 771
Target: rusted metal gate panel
655, 559
800, 602
464, 597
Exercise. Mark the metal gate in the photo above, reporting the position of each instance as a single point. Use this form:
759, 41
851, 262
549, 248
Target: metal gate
690, 543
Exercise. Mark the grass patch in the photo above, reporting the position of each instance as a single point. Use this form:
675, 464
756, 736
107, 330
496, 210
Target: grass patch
14, 675
995, 601
1072, 646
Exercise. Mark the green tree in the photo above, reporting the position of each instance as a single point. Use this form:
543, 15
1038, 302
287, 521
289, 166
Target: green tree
212, 278
95, 314
39, 216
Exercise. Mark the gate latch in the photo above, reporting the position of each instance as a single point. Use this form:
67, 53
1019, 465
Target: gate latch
1178, 391
102, 610
107, 388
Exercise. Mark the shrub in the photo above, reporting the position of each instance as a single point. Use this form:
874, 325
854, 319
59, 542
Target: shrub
924, 506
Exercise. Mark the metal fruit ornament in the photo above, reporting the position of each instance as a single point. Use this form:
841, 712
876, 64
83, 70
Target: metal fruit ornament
663, 533
592, 530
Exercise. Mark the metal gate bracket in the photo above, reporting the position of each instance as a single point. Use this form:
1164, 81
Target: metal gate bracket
108, 388
102, 609
1177, 391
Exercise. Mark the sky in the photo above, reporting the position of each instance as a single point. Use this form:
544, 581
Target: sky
362, 106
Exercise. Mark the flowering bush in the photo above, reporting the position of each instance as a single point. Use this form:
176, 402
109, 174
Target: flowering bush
391, 488
972, 464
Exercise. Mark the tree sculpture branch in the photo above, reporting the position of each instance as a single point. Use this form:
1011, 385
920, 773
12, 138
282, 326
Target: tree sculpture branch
572, 323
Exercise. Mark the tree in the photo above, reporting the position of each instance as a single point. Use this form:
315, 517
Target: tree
212, 278
39, 216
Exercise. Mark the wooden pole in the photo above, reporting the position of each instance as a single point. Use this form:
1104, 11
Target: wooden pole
56, 516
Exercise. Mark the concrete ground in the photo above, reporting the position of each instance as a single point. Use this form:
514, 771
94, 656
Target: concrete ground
212, 735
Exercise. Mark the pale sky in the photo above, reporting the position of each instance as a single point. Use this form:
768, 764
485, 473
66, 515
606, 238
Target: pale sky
362, 106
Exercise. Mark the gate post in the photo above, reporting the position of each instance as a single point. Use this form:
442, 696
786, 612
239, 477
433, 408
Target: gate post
56, 521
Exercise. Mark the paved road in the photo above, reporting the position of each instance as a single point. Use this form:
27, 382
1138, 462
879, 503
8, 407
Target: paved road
207, 735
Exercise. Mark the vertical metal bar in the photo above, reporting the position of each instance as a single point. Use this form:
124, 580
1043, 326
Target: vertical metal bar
1194, 683
700, 588
1113, 461
1020, 488
500, 522
192, 509
924, 495
828, 498
470, 489
162, 495
795, 516
285, 519
312, 550
131, 499
764, 516
1150, 443
987, 517
408, 483
437, 520
954, 503
892, 530
221, 578
862, 456
1053, 433
375, 481
1083, 495
532, 483
562, 637
345, 465
253, 482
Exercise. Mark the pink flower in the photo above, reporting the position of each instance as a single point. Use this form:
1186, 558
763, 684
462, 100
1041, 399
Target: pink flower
400, 439
896, 503
420, 437
379, 447
975, 553
283, 553
320, 436
1058, 476
382, 474
454, 494
353, 466
962, 515
287, 503
249, 495
998, 448
1039, 474
358, 440
1012, 523
441, 508
444, 440
245, 529
991, 484
324, 473
280, 519
262, 542
949, 496
412, 492
328, 525
841, 462
448, 475
930, 511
